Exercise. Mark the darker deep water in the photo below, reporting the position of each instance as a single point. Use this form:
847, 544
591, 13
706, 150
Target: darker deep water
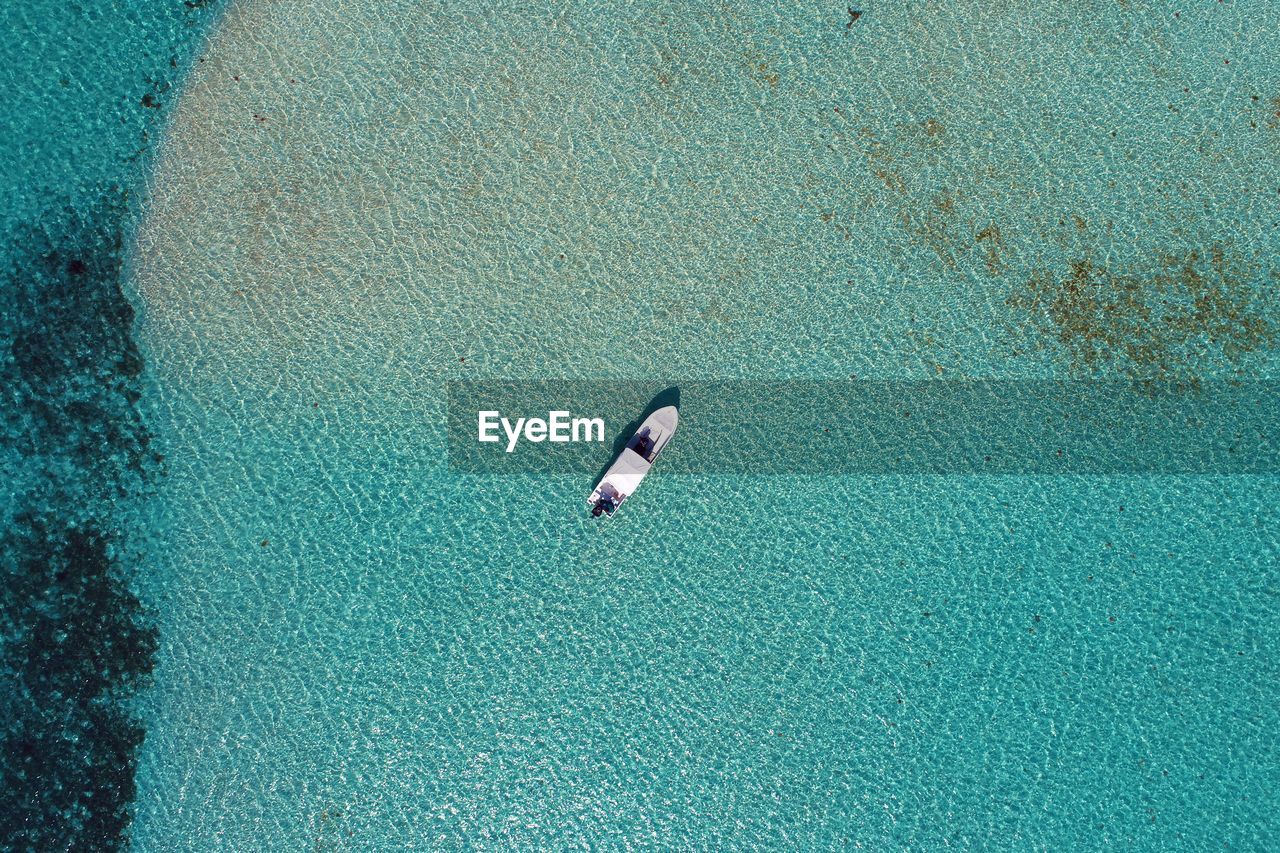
87, 89
76, 643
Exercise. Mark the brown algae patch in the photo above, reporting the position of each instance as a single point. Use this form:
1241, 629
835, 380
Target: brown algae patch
881, 161
1184, 315
932, 227
1271, 112
993, 244
911, 161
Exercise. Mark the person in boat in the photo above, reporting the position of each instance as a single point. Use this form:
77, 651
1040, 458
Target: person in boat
606, 503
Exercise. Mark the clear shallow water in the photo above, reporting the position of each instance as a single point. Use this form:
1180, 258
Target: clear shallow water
356, 651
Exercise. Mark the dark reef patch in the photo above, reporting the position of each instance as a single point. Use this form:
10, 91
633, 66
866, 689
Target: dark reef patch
1184, 316
75, 647
74, 643
69, 357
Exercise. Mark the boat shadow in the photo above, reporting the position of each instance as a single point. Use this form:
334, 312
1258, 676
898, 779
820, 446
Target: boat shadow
668, 397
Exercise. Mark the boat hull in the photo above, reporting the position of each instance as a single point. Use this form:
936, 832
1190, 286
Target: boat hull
634, 462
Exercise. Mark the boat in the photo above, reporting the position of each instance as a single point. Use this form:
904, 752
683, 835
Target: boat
635, 460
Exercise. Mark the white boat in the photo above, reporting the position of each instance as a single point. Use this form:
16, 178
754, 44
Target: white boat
635, 460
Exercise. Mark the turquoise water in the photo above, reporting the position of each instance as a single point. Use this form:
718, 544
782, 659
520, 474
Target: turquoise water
362, 648
85, 88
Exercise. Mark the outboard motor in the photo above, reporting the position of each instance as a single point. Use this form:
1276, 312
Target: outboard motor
597, 509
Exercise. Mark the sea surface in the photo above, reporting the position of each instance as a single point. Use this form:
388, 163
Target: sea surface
338, 640
85, 88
